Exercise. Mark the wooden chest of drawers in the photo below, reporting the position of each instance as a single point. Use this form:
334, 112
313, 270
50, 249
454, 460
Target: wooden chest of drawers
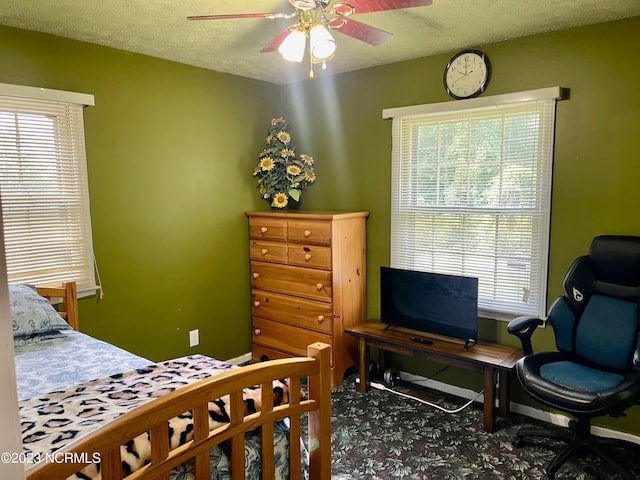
308, 283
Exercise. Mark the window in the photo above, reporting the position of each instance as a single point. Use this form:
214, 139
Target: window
471, 195
43, 184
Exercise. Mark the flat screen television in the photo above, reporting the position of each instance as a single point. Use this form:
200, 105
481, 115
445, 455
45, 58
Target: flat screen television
430, 302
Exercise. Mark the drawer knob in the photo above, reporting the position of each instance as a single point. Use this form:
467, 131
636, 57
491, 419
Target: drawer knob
307, 257
256, 275
257, 331
264, 251
307, 233
320, 318
319, 286
264, 229
256, 303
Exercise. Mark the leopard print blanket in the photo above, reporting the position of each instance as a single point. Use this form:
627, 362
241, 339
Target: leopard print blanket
51, 421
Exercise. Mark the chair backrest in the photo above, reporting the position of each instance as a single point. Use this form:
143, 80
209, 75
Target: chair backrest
597, 318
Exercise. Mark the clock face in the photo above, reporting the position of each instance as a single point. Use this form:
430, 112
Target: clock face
467, 74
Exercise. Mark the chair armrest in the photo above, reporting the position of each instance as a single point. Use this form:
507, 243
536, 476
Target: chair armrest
523, 328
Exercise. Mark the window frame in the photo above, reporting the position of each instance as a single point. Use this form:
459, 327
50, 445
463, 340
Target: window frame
488, 308
50, 152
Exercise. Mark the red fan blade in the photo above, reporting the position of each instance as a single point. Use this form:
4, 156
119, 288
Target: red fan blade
237, 15
360, 31
273, 45
366, 6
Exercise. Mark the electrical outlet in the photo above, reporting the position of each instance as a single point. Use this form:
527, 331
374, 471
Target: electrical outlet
194, 338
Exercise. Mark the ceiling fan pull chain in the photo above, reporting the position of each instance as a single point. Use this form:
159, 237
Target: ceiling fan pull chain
311, 75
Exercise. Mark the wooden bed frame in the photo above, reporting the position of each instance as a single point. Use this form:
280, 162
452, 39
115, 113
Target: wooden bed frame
153, 417
68, 295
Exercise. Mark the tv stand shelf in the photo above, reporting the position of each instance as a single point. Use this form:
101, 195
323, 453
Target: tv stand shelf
493, 360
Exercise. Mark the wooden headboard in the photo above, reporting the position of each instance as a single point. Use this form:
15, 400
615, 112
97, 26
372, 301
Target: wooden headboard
69, 305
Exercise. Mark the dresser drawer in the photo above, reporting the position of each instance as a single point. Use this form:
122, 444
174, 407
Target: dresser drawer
312, 256
268, 251
268, 228
292, 310
286, 338
260, 353
308, 231
303, 282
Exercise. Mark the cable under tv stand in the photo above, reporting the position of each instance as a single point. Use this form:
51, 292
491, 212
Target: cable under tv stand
493, 360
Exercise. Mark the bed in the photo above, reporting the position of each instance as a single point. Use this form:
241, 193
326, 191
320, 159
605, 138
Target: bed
93, 411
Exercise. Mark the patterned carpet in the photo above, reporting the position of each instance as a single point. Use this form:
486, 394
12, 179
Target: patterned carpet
380, 435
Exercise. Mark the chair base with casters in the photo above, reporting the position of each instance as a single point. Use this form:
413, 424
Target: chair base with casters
579, 441
595, 371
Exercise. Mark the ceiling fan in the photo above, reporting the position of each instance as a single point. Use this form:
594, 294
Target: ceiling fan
314, 20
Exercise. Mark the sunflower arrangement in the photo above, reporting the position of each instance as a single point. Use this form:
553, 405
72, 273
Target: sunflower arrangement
282, 175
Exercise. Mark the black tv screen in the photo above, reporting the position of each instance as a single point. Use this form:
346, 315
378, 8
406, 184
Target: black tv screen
430, 302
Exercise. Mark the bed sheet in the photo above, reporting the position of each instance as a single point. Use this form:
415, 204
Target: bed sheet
51, 362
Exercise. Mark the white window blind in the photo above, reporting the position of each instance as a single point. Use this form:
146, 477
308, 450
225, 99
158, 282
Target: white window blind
471, 193
44, 190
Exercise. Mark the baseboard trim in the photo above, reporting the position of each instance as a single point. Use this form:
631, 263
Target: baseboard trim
241, 360
526, 410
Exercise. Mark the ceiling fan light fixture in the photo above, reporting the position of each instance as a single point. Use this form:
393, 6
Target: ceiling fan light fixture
292, 48
322, 43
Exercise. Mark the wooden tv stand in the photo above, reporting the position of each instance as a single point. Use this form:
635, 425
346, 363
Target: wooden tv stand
493, 360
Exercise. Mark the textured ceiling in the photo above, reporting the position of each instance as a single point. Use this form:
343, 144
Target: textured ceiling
159, 28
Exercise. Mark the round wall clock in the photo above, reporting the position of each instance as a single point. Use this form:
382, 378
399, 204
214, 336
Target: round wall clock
467, 74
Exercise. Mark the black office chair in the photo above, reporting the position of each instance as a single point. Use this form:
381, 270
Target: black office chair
596, 370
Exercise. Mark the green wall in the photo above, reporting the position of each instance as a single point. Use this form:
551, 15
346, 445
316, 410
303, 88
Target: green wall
597, 164
170, 151
171, 148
